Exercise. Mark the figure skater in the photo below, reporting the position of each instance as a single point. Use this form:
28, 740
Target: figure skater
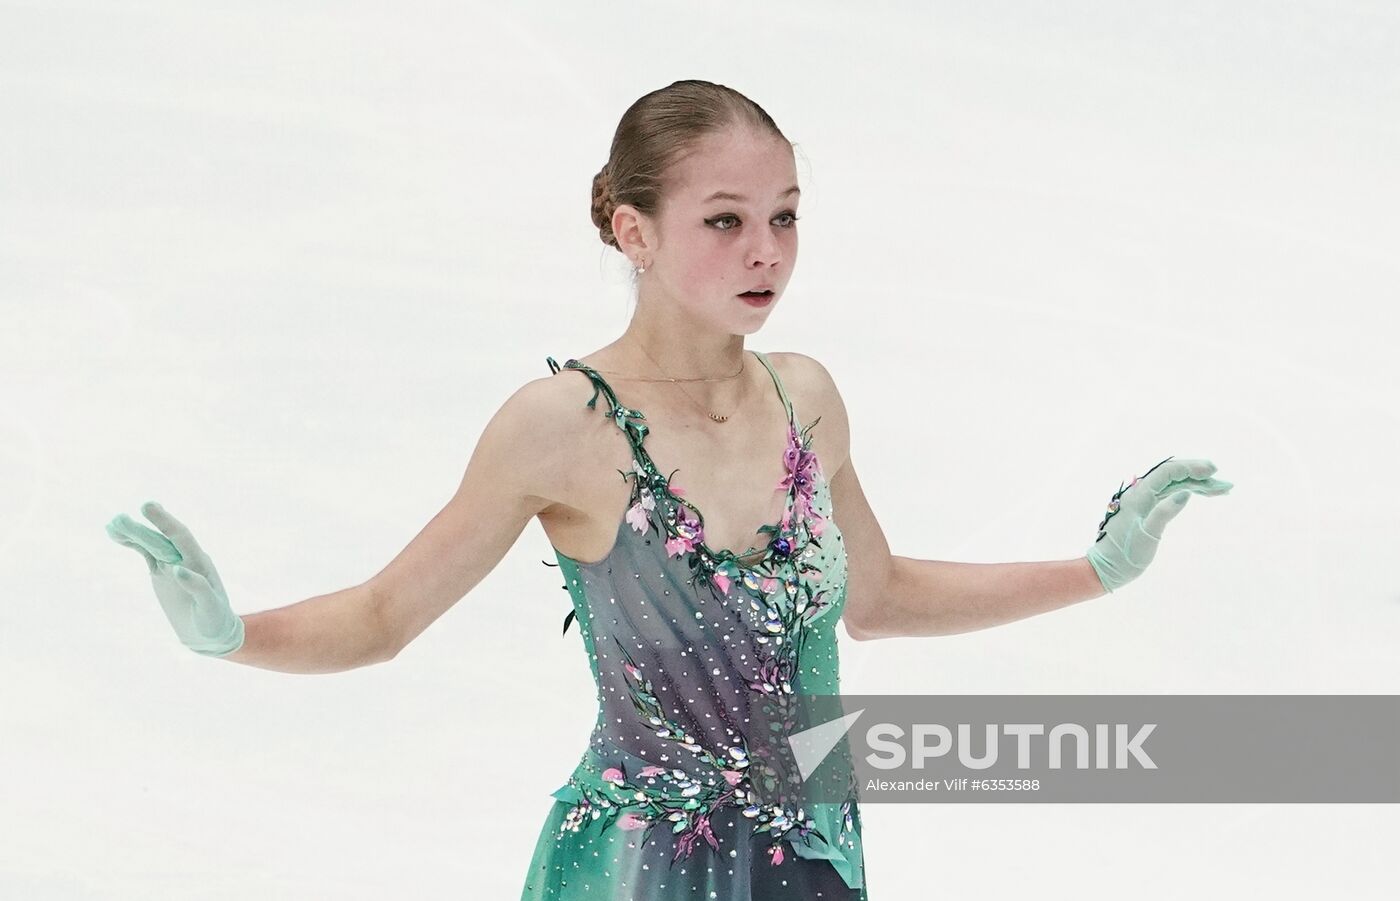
689, 615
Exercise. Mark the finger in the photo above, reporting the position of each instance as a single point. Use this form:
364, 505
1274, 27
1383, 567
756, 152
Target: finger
156, 544
173, 529
1168, 471
117, 536
1208, 487
1155, 523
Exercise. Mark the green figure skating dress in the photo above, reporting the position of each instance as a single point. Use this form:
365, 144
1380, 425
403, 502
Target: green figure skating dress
686, 642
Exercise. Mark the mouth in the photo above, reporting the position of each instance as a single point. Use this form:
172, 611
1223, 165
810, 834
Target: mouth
757, 298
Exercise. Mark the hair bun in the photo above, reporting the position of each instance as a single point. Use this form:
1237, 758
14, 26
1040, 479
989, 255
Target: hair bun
603, 206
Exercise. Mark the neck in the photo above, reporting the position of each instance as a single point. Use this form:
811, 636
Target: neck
657, 348
676, 348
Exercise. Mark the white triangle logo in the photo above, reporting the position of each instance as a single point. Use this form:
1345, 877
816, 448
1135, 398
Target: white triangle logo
810, 746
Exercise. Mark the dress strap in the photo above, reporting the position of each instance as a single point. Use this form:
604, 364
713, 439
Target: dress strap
787, 404
631, 422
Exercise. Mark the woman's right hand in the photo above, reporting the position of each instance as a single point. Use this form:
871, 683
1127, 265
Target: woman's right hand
186, 582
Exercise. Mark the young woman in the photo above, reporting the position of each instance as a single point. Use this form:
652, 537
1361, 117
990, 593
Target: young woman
709, 579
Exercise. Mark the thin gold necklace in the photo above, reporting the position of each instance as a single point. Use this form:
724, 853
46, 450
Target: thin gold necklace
715, 416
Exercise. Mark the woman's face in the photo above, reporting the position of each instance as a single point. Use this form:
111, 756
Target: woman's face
710, 249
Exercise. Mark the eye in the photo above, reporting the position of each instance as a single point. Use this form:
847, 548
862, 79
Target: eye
789, 214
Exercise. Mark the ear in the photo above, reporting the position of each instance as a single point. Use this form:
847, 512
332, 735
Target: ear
634, 231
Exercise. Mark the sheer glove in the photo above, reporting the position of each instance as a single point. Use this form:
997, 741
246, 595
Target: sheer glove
185, 580
1138, 514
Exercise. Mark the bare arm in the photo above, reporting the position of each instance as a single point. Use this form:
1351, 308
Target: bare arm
370, 623
937, 597
329, 633
894, 597
515, 464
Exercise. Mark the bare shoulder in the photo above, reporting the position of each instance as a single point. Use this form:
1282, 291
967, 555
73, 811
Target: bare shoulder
535, 435
541, 402
814, 393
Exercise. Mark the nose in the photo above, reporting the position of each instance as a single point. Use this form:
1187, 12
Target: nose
766, 251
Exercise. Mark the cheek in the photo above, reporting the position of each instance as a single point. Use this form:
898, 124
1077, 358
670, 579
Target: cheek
709, 272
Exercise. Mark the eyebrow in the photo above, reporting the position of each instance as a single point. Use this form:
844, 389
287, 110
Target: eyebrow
725, 195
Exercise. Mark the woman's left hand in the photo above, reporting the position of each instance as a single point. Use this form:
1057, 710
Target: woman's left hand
1138, 514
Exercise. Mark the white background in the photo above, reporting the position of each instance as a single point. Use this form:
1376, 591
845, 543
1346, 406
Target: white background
275, 265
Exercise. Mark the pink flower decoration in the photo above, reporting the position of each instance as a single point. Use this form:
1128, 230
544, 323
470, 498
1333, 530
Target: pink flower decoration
802, 467
630, 821
732, 776
678, 491
677, 545
776, 850
688, 525
685, 844
768, 584
648, 771
723, 582
632, 671
637, 517
701, 829
794, 448
613, 774
702, 826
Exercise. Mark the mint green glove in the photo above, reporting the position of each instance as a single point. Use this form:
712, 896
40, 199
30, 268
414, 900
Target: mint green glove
1138, 513
186, 583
